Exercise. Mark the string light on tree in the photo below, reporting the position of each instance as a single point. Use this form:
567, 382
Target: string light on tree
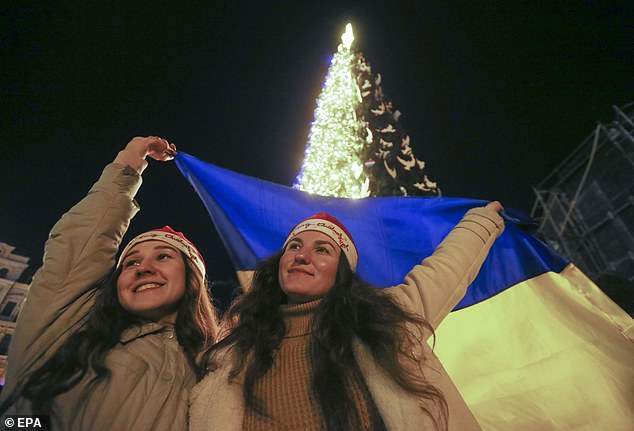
332, 163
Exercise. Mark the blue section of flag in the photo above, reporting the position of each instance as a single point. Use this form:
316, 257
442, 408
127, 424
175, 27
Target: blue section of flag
392, 234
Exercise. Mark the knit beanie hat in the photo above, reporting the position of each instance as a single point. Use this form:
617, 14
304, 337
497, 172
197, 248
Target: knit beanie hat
329, 225
173, 238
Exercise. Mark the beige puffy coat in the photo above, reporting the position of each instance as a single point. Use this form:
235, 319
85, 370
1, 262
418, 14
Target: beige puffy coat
151, 377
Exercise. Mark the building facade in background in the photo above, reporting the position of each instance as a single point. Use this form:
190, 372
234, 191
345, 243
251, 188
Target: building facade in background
12, 296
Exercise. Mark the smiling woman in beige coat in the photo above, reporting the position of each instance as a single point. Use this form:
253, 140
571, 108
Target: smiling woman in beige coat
313, 347
105, 346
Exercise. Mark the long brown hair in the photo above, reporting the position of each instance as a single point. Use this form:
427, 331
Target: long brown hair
196, 328
351, 309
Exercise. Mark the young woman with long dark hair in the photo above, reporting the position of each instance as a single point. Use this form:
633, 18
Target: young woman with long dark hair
112, 345
311, 346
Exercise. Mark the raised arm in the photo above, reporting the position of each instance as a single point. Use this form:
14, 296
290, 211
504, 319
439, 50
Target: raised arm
79, 252
435, 286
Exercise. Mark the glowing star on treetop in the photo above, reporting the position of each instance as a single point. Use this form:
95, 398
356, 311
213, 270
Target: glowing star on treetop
347, 37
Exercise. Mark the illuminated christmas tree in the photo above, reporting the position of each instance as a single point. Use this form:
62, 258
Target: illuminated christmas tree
391, 165
356, 145
333, 159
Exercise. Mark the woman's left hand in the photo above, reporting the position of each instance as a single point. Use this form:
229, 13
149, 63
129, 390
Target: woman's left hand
494, 206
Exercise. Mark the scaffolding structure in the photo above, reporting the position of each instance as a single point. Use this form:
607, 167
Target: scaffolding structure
585, 206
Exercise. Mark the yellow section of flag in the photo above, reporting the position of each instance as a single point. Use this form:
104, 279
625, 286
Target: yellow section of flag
550, 353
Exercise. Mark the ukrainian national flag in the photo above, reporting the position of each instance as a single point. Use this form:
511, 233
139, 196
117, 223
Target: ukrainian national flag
534, 345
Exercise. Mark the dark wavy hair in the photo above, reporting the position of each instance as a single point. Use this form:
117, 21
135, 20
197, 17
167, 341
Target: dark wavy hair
196, 328
255, 327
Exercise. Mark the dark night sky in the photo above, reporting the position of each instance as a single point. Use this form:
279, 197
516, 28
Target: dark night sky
494, 96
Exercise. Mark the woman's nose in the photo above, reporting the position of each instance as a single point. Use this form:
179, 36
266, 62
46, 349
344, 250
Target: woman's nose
302, 256
144, 267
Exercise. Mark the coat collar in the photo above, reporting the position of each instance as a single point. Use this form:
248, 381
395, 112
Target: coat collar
139, 331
